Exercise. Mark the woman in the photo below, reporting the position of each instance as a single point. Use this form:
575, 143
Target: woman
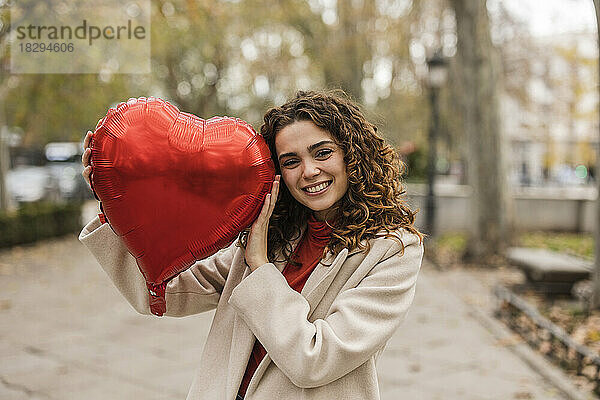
307, 298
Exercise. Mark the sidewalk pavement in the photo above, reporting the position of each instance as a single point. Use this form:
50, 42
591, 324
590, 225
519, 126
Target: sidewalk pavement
66, 333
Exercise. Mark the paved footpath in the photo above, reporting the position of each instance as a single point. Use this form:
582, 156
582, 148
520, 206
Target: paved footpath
65, 333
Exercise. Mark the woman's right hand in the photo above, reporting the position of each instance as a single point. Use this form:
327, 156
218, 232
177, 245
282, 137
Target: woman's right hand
85, 158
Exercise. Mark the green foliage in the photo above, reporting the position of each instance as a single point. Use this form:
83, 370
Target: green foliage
218, 57
417, 165
38, 221
52, 107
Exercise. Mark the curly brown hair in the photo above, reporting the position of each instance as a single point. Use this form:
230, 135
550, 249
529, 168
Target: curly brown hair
372, 206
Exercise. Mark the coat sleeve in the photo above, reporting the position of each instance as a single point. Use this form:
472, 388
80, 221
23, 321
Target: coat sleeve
194, 290
360, 321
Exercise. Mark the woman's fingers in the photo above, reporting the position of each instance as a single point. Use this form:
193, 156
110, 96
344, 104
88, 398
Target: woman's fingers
86, 140
264, 213
85, 158
269, 203
87, 171
256, 248
274, 194
271, 199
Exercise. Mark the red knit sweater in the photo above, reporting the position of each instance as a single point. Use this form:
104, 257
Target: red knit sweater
308, 253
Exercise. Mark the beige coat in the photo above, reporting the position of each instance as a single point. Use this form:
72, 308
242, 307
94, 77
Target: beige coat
321, 344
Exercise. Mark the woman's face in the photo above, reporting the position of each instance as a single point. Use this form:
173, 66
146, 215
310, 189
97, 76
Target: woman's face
312, 167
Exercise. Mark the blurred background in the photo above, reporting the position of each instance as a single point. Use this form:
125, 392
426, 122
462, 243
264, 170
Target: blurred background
240, 57
493, 106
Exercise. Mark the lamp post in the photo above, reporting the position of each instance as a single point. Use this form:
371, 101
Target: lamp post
437, 73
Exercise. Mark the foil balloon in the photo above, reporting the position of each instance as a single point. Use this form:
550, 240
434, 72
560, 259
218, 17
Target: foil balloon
174, 187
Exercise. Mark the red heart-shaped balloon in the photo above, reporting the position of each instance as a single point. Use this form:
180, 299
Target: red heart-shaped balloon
174, 187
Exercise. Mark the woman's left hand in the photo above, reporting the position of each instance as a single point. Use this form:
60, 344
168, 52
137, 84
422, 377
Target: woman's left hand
256, 247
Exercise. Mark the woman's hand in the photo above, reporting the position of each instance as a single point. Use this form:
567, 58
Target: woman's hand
256, 248
85, 158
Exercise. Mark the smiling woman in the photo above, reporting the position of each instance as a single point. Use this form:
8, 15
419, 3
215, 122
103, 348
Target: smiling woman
312, 167
308, 297
323, 138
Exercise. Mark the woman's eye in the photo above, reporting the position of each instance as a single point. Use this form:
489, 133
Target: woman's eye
323, 153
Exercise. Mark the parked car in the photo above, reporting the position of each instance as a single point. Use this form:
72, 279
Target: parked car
31, 183
71, 185
63, 151
59, 180
64, 164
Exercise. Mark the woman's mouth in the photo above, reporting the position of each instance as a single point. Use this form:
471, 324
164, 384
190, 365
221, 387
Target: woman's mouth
317, 190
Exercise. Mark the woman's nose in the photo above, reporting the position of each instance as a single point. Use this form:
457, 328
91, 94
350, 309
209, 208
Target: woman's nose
310, 170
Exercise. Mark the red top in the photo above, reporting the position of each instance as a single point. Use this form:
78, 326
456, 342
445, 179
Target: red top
308, 253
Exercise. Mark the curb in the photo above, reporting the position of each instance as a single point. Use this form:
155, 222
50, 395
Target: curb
537, 362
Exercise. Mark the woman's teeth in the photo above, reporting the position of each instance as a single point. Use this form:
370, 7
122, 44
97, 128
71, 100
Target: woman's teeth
318, 188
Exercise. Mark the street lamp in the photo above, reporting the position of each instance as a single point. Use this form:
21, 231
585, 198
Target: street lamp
437, 74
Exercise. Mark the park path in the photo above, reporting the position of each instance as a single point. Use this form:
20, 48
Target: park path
65, 333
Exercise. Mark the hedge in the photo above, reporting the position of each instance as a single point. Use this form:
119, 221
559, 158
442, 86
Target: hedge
36, 221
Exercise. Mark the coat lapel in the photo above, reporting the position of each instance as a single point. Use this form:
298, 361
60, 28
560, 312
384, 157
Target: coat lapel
242, 342
321, 278
243, 339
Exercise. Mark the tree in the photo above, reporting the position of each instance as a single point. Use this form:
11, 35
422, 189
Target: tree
237, 58
478, 77
596, 292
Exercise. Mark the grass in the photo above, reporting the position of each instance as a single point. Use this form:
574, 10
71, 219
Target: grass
577, 244
454, 242
448, 248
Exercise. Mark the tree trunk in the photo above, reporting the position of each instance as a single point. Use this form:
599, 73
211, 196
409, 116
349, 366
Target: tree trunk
478, 76
4, 154
596, 292
350, 40
4, 161
348, 49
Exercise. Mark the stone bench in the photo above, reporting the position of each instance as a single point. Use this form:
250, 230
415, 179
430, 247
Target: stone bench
550, 271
